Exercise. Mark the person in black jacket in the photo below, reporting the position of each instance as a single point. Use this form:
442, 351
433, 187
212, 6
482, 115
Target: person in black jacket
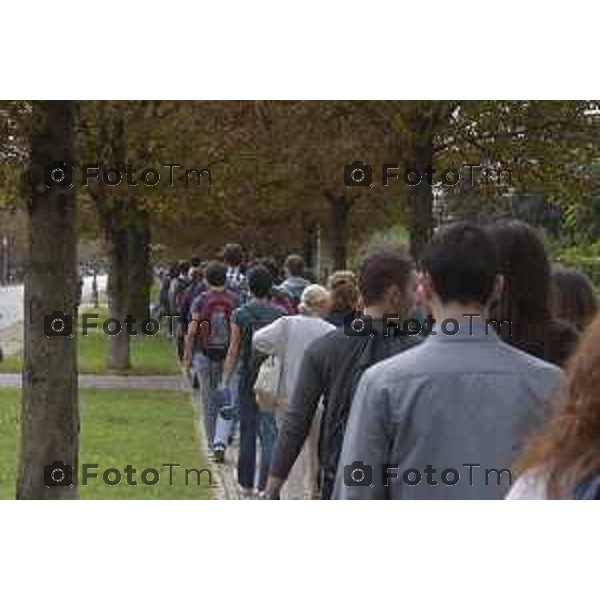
332, 365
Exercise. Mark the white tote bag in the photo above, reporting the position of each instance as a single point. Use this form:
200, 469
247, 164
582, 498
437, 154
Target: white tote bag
269, 387
268, 384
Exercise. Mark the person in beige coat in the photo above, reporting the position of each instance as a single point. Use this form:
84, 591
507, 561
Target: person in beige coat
287, 338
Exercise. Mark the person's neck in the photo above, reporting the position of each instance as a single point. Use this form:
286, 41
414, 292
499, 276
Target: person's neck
214, 288
376, 311
458, 311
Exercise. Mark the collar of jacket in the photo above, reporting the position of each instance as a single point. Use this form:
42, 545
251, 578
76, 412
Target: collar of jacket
463, 330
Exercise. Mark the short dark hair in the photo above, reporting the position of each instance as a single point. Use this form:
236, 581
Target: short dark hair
462, 261
195, 262
184, 267
294, 265
216, 273
233, 255
271, 265
381, 269
260, 281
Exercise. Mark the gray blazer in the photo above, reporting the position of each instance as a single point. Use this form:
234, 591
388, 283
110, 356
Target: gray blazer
445, 420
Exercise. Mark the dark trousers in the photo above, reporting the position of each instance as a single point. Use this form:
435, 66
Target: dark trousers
326, 484
181, 332
253, 423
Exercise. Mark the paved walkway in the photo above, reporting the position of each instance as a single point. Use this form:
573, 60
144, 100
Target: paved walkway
11, 338
11, 311
153, 382
228, 488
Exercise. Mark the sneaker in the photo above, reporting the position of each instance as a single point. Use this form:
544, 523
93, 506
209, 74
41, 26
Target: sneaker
219, 453
246, 493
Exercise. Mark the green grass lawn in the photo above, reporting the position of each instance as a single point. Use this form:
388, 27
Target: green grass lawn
155, 292
119, 428
150, 355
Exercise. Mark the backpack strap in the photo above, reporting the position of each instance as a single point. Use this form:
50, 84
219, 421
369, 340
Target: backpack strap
213, 301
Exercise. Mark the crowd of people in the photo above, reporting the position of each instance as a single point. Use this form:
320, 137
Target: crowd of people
471, 374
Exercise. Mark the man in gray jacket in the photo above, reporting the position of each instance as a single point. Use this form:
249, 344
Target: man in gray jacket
446, 420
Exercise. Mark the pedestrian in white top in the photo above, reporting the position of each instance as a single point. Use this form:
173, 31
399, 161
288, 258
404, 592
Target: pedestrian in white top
563, 461
287, 338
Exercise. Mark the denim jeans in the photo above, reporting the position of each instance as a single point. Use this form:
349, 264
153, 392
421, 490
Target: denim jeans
254, 423
267, 433
209, 374
227, 412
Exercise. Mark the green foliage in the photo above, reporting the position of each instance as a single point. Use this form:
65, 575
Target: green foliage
274, 163
548, 146
396, 235
586, 258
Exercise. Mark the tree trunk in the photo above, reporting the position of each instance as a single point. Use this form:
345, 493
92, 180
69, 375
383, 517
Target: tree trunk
420, 197
113, 213
118, 297
49, 414
339, 213
309, 229
140, 275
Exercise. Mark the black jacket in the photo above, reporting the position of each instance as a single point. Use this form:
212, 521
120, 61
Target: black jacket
331, 368
553, 341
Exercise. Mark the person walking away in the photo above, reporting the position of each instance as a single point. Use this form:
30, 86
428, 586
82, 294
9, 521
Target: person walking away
563, 460
524, 308
573, 298
332, 365
287, 338
294, 283
345, 297
462, 397
176, 289
206, 345
95, 288
278, 295
187, 296
195, 287
164, 296
257, 312
233, 256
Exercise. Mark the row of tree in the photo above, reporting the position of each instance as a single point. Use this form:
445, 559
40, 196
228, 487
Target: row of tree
277, 174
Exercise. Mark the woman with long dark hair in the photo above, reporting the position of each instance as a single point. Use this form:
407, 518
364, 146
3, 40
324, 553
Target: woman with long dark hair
563, 461
524, 307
